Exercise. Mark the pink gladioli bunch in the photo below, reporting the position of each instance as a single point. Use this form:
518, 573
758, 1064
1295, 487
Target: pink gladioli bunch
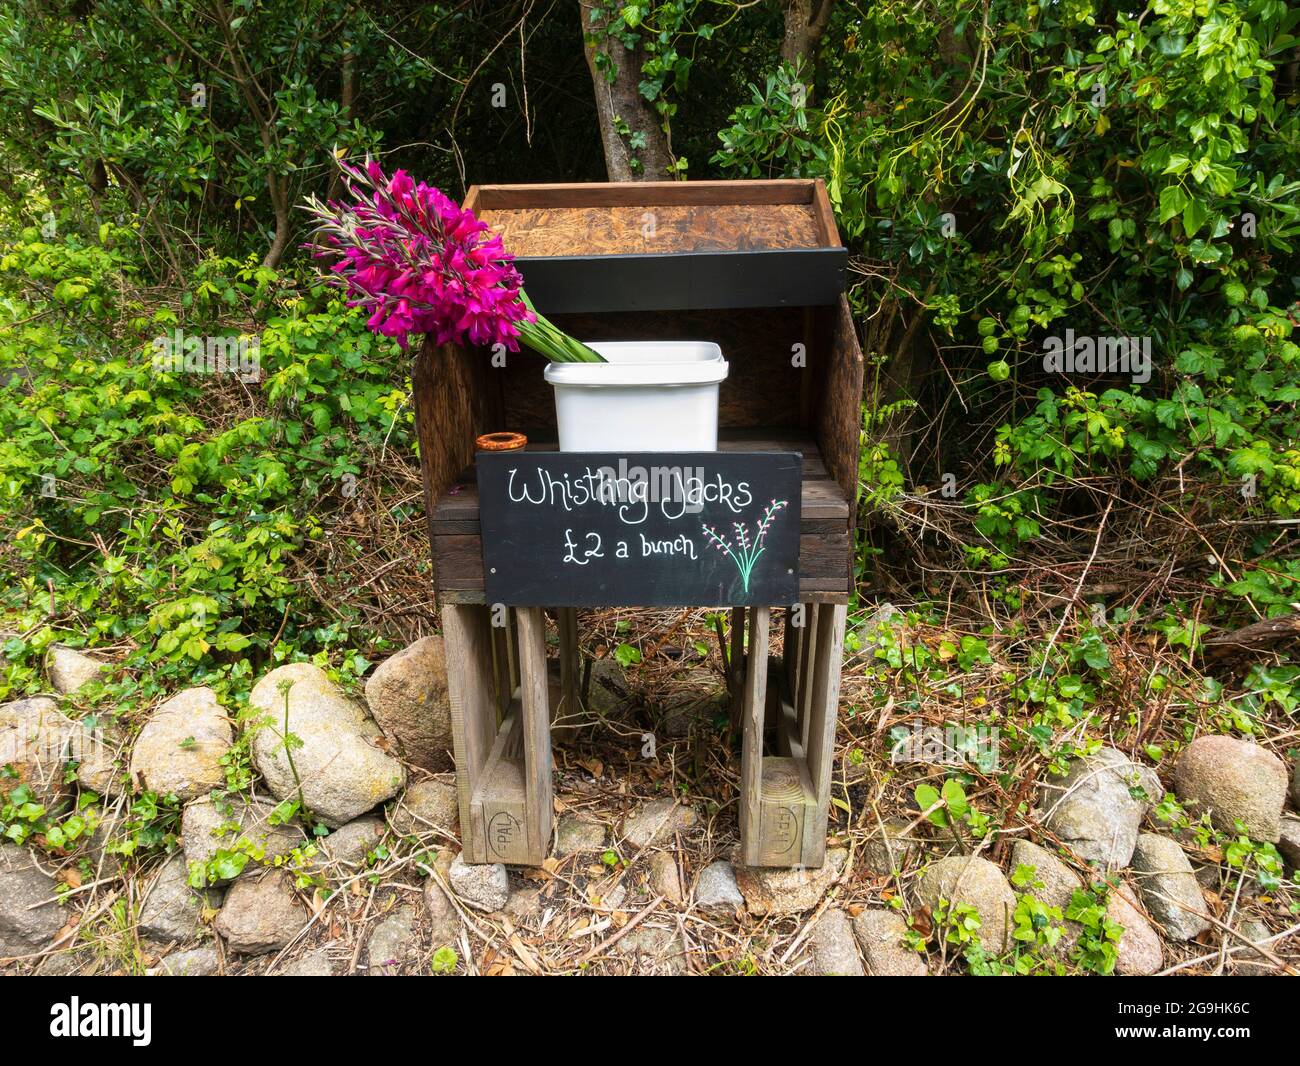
421, 264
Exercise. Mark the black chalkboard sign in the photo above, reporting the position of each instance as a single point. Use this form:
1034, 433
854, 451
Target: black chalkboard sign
644, 529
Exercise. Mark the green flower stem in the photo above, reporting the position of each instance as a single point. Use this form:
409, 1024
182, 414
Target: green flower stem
544, 337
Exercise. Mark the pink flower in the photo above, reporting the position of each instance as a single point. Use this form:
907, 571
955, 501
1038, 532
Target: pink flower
419, 263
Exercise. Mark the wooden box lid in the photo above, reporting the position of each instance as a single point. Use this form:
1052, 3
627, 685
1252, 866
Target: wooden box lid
639, 246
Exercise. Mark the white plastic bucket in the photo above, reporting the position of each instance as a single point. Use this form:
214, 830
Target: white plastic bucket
651, 396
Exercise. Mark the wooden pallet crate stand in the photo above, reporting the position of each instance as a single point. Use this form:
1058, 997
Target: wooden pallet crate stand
756, 267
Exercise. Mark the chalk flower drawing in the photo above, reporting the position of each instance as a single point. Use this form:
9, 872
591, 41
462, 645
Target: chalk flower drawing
745, 552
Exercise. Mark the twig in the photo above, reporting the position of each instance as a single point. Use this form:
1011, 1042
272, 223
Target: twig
609, 942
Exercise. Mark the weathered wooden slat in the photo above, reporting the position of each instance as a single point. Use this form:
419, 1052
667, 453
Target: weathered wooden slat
824, 590
458, 562
566, 620
802, 693
536, 726
454, 528
470, 688
822, 555
512, 650
764, 439
828, 232
791, 644
452, 396
820, 732
736, 675
751, 751
614, 194
501, 675
839, 421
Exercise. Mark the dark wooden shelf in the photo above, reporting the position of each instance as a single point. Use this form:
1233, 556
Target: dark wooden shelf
825, 549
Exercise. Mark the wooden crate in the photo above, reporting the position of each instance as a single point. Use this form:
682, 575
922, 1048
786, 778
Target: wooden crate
756, 267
